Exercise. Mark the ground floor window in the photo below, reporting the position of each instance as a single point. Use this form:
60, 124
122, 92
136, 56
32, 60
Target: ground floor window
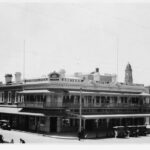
42, 121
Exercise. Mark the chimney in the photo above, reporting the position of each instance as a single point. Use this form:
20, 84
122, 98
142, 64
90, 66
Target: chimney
8, 78
18, 77
97, 69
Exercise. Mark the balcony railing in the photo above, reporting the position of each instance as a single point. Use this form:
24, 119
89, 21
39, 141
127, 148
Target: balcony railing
73, 105
31, 105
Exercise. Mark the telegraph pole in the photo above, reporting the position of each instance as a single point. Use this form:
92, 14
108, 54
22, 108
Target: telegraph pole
80, 110
24, 59
117, 42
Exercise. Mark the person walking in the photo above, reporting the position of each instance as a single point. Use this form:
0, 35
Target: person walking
79, 135
12, 141
116, 133
22, 141
1, 138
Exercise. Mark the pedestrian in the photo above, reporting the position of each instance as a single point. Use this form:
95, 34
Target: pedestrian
22, 141
79, 135
12, 141
82, 133
116, 133
1, 138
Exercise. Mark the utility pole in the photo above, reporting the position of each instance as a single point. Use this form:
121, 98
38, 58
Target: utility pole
80, 110
24, 44
117, 48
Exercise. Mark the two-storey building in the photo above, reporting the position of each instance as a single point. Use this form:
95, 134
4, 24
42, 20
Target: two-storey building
56, 103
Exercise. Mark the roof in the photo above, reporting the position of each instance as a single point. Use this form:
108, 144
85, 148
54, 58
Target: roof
144, 94
106, 93
35, 92
114, 116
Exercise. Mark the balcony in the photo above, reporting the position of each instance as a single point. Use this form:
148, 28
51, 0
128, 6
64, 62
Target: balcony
90, 105
31, 105
76, 105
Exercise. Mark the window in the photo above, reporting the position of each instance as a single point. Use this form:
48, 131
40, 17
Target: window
97, 99
89, 99
9, 97
22, 98
16, 98
1, 97
102, 99
107, 99
42, 121
19, 98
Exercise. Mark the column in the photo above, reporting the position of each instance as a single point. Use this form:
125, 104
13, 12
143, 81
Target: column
84, 102
118, 99
96, 121
120, 121
107, 122
73, 122
58, 124
147, 121
37, 124
84, 124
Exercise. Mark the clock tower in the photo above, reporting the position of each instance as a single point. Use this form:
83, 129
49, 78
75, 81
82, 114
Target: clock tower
128, 74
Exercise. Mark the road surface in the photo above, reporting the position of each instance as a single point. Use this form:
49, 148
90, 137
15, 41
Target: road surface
52, 139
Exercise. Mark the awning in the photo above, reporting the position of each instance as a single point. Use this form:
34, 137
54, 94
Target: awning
106, 93
144, 94
17, 111
114, 116
35, 92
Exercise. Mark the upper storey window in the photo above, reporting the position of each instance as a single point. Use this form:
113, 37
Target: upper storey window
2, 97
16, 98
9, 97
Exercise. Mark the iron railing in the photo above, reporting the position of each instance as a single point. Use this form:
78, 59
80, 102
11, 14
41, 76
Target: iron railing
76, 105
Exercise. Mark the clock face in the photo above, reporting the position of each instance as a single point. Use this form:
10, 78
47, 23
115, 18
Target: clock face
127, 74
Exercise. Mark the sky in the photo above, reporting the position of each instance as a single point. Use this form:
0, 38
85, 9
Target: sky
77, 37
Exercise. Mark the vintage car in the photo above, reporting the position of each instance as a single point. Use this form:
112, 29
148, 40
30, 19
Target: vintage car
120, 131
4, 124
148, 129
142, 130
133, 131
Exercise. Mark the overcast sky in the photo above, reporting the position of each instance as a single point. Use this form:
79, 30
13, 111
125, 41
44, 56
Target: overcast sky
77, 37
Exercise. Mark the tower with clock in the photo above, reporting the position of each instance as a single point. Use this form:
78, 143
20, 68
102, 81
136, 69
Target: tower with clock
128, 74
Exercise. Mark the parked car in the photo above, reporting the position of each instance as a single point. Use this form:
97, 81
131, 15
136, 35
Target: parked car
148, 129
142, 130
121, 131
133, 131
4, 124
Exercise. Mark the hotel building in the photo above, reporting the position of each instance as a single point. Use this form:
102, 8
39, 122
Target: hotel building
56, 103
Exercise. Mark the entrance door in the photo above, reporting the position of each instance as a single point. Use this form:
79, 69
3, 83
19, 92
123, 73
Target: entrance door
26, 123
53, 124
90, 125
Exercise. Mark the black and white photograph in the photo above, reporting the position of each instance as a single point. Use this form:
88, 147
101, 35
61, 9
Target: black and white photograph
75, 72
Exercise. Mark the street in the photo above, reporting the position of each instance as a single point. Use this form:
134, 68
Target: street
52, 139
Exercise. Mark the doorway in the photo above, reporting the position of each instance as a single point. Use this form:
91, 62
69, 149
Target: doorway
53, 124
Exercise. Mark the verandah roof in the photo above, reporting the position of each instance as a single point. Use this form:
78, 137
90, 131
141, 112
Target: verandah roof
17, 111
114, 116
35, 92
110, 94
